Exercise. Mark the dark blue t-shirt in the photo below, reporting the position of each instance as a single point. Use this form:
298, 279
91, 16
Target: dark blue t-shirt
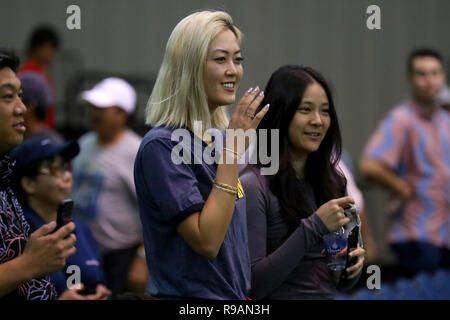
168, 193
87, 257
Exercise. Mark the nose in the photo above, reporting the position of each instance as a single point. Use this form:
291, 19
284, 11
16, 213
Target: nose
316, 119
231, 69
19, 108
67, 176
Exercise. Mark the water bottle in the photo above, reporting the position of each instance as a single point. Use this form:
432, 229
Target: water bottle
336, 249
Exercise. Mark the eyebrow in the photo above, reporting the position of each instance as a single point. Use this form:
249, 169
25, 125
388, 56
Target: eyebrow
225, 51
310, 103
9, 86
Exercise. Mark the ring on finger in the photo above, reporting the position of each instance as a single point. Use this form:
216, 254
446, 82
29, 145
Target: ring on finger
250, 115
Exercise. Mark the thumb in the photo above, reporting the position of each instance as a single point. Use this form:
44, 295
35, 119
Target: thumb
45, 229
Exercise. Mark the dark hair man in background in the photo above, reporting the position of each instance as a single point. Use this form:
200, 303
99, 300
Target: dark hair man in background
36, 97
42, 46
25, 259
409, 155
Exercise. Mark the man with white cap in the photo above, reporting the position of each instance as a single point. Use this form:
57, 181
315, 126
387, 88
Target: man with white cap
104, 191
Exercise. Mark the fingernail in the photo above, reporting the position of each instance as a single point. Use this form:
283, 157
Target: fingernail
52, 224
266, 107
249, 90
256, 89
261, 93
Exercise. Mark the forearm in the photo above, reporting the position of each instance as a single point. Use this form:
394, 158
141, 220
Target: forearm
14, 273
216, 215
382, 175
205, 231
270, 271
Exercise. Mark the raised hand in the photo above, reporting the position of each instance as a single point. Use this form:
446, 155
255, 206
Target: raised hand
244, 118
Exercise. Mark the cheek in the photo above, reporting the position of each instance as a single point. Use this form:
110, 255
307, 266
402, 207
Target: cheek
240, 72
211, 72
44, 189
327, 123
110, 119
439, 80
295, 130
420, 83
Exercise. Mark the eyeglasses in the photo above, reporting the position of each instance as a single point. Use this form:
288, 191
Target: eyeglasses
56, 170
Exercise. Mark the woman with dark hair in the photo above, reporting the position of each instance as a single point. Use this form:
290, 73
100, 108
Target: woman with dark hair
289, 212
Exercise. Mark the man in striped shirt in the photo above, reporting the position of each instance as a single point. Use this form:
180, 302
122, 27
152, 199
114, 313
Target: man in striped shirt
409, 155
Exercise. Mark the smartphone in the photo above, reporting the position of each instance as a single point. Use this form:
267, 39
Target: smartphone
64, 214
353, 239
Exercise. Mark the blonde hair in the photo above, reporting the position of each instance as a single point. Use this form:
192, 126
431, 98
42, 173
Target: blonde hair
178, 97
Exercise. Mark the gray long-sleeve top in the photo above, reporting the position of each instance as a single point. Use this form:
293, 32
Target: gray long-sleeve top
285, 264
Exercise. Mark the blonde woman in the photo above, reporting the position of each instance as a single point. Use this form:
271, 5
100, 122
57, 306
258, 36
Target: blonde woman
193, 212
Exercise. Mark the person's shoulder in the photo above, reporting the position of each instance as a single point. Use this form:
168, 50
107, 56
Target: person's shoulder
130, 141
158, 134
253, 178
400, 114
403, 110
87, 138
132, 136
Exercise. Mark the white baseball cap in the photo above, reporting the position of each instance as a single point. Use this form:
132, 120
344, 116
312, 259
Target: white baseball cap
112, 92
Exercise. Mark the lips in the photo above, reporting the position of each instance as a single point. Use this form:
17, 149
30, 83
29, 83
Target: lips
20, 127
313, 134
67, 191
229, 86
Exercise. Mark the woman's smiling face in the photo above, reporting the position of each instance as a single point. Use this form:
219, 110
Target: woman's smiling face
311, 121
223, 70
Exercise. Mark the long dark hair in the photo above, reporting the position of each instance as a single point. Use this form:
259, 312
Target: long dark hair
284, 92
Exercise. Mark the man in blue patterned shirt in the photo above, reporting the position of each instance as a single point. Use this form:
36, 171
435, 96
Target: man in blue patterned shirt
25, 259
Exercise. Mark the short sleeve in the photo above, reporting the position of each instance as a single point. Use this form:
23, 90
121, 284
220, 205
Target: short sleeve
171, 188
387, 143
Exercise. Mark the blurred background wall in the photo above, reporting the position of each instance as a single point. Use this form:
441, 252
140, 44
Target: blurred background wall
366, 67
